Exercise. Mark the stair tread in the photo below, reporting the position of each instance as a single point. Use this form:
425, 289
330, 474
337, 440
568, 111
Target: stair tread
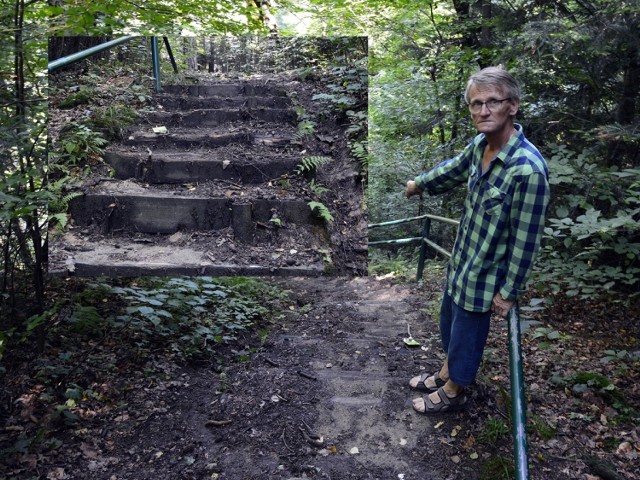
222, 116
232, 133
201, 190
171, 101
226, 89
236, 152
81, 252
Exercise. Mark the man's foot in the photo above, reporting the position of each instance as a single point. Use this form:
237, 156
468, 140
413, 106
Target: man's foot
426, 382
440, 401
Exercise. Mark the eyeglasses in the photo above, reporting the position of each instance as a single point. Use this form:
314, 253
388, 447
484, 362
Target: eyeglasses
476, 107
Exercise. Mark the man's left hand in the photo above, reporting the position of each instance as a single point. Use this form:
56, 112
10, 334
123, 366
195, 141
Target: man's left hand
500, 306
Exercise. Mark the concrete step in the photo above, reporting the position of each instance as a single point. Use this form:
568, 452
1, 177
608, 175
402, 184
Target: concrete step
170, 166
129, 206
201, 196
214, 117
212, 138
174, 102
225, 90
81, 252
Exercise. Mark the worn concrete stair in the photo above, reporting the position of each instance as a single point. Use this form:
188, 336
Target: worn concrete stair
201, 195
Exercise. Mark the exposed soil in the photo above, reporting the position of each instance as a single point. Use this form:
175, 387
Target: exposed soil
324, 395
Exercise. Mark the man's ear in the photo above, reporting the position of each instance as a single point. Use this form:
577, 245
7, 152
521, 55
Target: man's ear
514, 106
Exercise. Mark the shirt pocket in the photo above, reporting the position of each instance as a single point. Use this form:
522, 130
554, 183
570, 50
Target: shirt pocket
495, 201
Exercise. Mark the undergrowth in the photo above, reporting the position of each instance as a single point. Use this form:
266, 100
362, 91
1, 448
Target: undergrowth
99, 329
188, 316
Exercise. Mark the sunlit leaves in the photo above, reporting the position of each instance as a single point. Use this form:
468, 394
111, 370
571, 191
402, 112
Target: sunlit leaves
191, 17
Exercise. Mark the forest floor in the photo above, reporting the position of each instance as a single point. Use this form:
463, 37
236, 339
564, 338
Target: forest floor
321, 391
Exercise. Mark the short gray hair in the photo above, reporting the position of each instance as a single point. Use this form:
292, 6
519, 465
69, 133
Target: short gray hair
495, 77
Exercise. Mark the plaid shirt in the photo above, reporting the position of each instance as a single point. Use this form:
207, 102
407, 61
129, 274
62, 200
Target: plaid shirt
502, 219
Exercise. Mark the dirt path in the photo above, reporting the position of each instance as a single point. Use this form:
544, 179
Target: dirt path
321, 392
324, 396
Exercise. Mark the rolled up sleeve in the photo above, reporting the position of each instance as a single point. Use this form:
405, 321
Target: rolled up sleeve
446, 175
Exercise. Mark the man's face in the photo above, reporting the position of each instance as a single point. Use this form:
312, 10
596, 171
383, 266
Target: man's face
491, 119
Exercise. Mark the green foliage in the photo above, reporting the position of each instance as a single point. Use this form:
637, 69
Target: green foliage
592, 241
87, 320
110, 121
276, 221
498, 468
78, 143
548, 333
621, 359
57, 207
311, 164
540, 427
64, 414
360, 151
580, 382
346, 89
327, 260
191, 313
321, 210
156, 18
317, 188
305, 128
82, 96
401, 265
495, 429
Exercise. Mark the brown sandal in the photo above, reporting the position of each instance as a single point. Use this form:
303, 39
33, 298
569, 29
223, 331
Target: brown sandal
446, 404
424, 376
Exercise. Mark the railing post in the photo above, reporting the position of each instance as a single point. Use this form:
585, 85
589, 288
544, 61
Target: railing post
423, 247
518, 408
170, 52
155, 60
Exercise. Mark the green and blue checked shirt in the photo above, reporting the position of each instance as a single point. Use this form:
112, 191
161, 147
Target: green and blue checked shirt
502, 219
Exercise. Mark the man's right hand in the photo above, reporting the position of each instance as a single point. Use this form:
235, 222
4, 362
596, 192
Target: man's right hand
412, 189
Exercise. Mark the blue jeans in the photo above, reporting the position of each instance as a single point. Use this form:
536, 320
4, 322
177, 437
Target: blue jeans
464, 335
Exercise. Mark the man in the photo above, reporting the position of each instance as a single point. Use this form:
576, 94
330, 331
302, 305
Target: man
498, 237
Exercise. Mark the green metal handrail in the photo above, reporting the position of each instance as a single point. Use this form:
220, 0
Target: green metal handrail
155, 57
69, 59
518, 408
423, 240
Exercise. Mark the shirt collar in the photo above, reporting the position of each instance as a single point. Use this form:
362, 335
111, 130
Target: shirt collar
514, 141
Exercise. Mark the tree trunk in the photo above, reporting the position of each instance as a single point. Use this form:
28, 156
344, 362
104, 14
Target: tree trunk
26, 164
265, 15
630, 89
486, 35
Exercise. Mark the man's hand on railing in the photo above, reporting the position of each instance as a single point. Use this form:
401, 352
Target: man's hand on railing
412, 189
500, 306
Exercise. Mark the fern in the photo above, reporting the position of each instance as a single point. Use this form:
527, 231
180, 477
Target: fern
61, 204
360, 152
321, 210
317, 188
310, 164
305, 128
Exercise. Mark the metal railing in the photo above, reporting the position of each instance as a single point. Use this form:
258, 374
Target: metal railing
155, 57
423, 240
518, 406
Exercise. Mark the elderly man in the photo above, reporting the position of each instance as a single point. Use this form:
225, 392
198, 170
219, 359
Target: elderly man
498, 237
